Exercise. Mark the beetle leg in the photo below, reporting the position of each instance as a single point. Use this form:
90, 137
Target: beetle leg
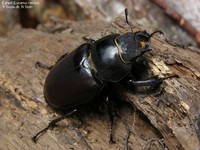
41, 65
127, 129
111, 140
61, 57
145, 82
89, 40
113, 110
111, 117
52, 124
154, 80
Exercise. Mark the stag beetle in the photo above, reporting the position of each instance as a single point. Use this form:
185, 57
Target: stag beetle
78, 77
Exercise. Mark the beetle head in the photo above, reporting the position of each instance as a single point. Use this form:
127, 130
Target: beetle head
132, 45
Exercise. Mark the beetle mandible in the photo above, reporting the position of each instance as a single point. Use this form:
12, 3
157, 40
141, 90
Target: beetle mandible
78, 77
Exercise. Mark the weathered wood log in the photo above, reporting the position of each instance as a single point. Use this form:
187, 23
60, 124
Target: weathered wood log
167, 120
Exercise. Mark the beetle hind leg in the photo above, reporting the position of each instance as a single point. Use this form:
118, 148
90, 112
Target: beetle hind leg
52, 124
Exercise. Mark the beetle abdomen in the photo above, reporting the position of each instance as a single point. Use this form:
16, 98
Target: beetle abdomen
70, 82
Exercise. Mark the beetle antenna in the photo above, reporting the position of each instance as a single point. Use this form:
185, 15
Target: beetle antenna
157, 31
126, 15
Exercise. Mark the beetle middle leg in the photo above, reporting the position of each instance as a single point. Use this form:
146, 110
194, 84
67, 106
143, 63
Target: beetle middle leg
127, 130
52, 124
113, 111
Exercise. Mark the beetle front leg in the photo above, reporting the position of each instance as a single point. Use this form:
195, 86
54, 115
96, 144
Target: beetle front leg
151, 81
